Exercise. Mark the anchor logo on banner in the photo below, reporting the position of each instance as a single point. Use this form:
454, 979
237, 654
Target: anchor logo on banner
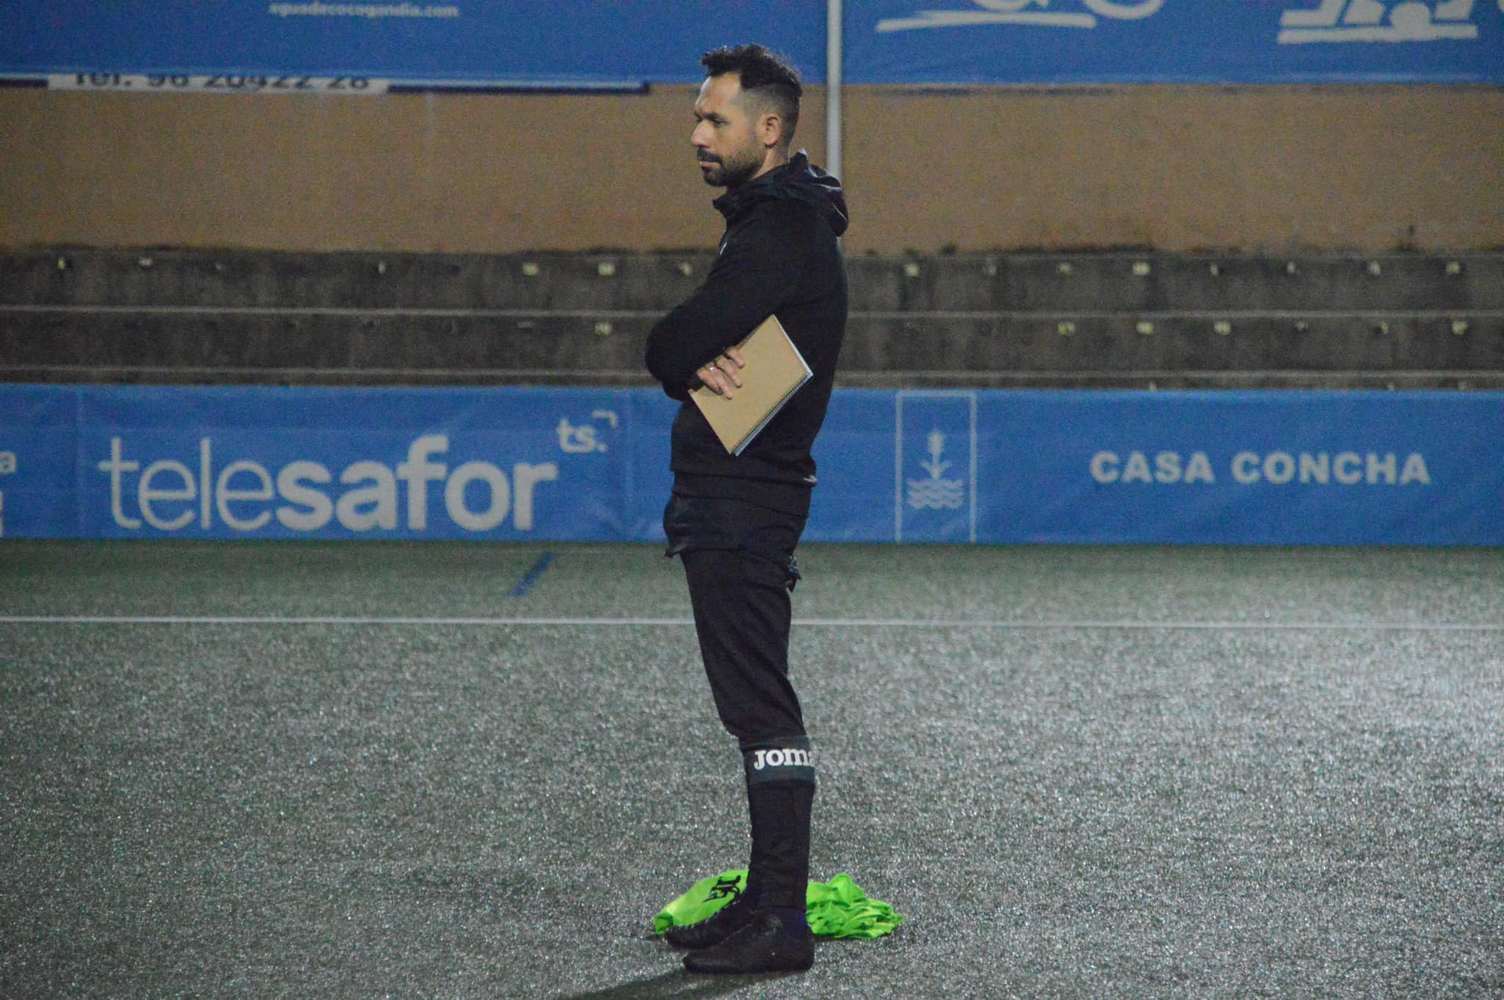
935, 490
1019, 12
1378, 21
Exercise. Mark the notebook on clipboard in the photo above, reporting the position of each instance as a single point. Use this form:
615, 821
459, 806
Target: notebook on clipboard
774, 372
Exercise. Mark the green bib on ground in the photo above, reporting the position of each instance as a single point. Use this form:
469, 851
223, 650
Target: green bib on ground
836, 909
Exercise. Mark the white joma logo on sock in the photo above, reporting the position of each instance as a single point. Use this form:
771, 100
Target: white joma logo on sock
782, 758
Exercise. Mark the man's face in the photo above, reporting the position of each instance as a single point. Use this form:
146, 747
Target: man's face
725, 138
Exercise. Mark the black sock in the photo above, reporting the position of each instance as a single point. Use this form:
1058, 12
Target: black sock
780, 795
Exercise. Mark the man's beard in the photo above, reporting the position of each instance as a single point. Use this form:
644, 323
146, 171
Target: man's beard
731, 173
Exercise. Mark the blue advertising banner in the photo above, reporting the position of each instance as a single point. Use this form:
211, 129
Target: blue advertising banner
366, 46
1269, 467
39, 480
1174, 41
369, 47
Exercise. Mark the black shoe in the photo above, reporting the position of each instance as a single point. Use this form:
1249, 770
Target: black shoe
762, 944
726, 921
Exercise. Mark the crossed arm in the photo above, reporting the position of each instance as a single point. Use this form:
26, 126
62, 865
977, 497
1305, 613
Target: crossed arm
755, 274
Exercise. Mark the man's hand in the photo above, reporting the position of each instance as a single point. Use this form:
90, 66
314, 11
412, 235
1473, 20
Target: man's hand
723, 374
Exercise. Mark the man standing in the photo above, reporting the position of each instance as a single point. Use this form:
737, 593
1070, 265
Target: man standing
734, 520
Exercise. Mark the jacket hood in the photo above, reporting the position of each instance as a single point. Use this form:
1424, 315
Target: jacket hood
797, 179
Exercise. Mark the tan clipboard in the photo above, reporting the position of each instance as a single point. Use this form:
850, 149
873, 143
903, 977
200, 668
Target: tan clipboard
774, 372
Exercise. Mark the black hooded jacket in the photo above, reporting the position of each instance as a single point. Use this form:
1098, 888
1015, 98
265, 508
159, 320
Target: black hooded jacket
779, 256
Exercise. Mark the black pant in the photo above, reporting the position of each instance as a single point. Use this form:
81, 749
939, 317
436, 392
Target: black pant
739, 561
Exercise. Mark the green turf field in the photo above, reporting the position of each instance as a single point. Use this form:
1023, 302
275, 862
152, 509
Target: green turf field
429, 770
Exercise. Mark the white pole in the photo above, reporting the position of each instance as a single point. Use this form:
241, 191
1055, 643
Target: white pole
833, 87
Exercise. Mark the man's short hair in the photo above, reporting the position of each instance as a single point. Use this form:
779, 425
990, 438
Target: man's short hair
765, 76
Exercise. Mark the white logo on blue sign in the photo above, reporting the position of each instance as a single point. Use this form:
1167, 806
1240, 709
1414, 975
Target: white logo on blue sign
1328, 21
1378, 21
935, 494
1020, 12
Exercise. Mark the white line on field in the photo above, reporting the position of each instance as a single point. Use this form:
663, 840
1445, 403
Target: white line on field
633, 622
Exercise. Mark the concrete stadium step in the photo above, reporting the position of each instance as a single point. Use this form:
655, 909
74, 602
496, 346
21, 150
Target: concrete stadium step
210, 345
1019, 282
966, 319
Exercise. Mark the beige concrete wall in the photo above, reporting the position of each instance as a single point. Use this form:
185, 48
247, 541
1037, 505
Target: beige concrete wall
1174, 168
1183, 168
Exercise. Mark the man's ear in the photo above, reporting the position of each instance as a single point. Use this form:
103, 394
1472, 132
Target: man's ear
770, 129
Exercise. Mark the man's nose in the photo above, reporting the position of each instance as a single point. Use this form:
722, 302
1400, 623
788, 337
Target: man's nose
698, 137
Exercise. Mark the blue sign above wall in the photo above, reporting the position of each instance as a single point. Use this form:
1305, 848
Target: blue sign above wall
955, 466
1174, 41
561, 44
266, 46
